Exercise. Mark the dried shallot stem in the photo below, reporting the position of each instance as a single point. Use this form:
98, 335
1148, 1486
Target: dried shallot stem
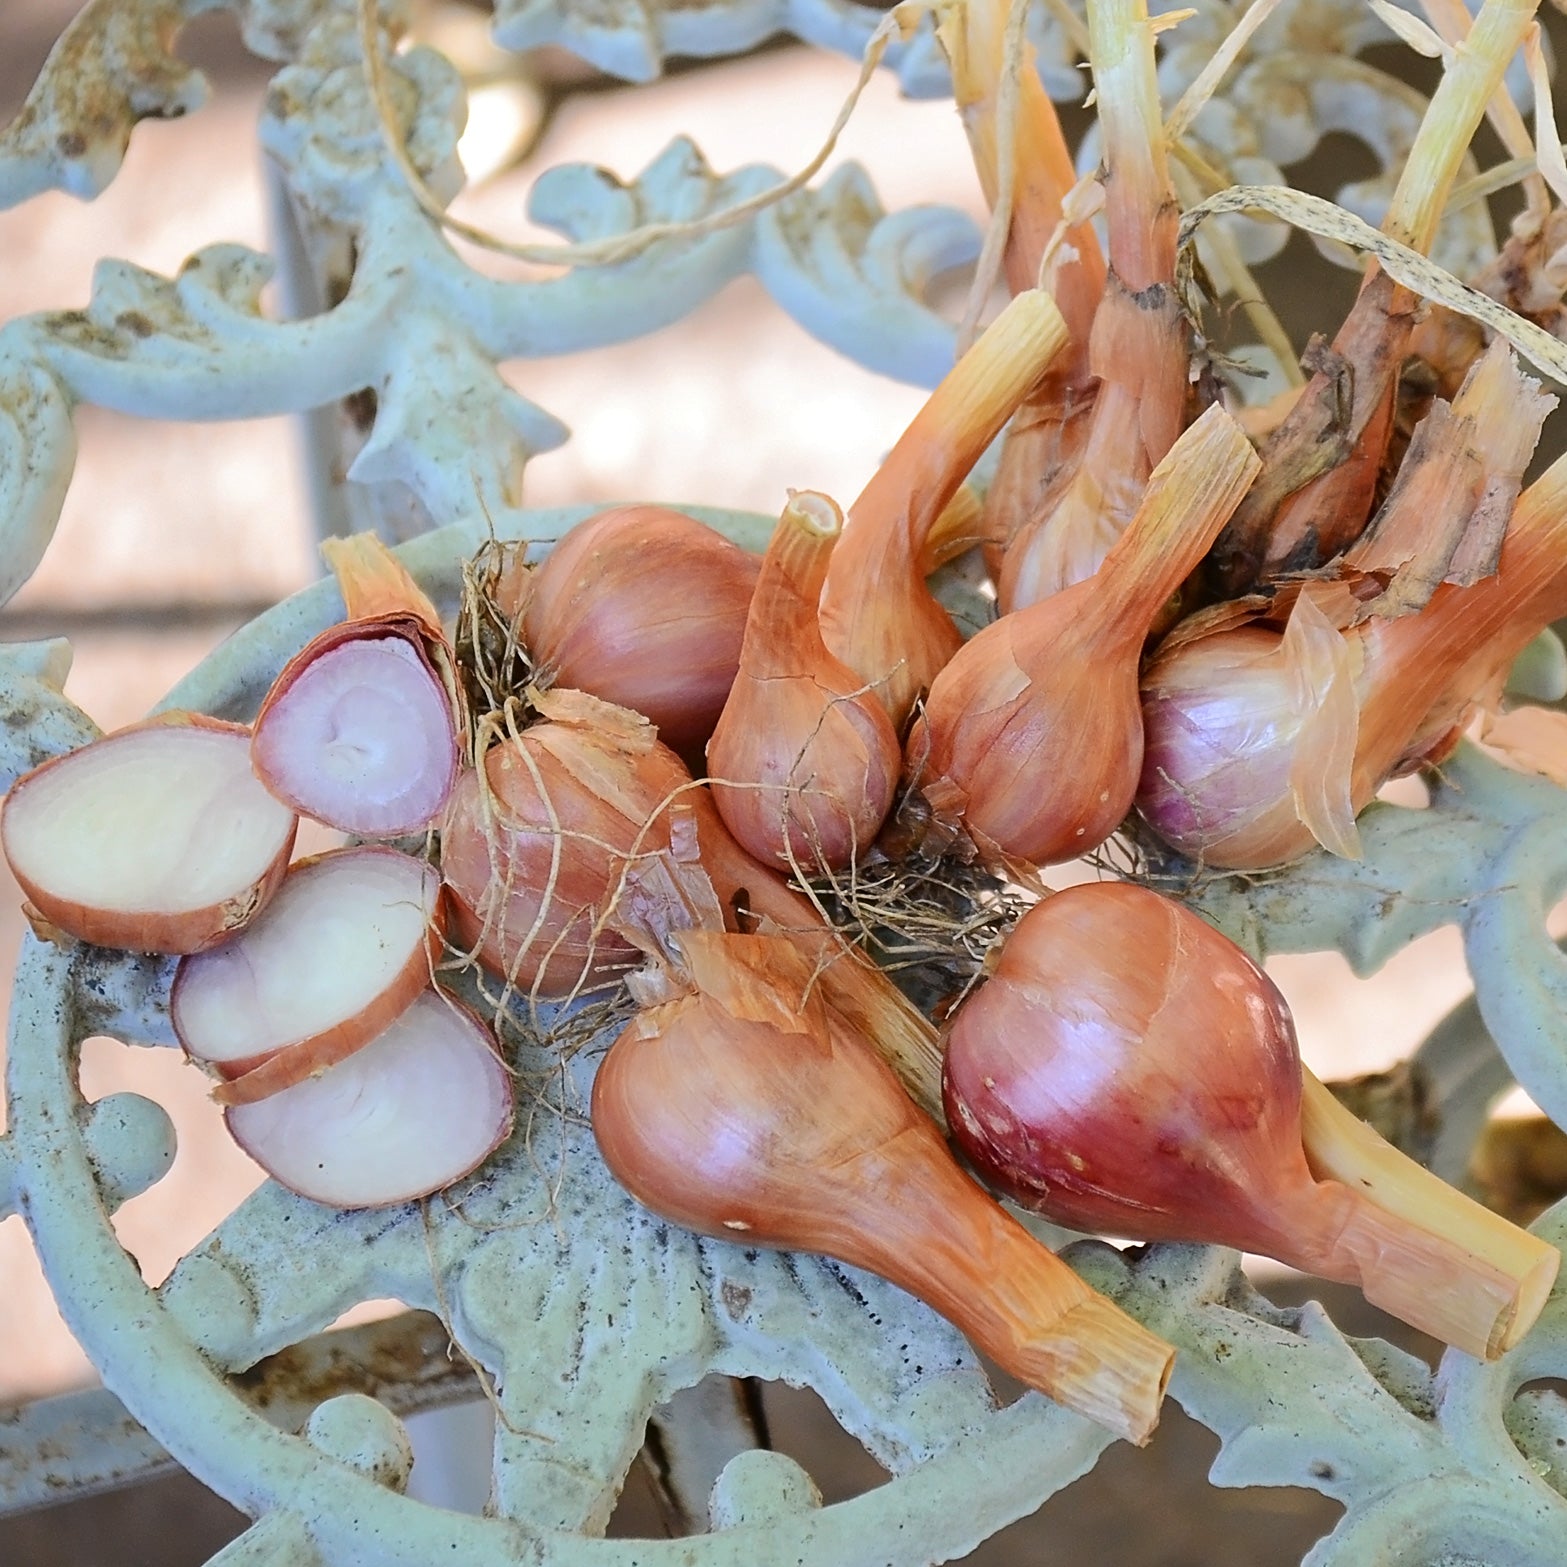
877, 615
1138, 348
1322, 465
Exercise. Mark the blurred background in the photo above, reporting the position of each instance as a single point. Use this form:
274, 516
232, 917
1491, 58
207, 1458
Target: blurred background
174, 535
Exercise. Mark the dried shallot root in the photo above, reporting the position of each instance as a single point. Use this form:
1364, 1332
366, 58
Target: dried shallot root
342, 950
1262, 743
644, 607
1128, 1069
739, 1104
1032, 735
804, 761
420, 1106
360, 730
155, 839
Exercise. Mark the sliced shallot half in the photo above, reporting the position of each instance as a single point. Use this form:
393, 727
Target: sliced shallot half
155, 839
359, 735
341, 952
416, 1109
360, 729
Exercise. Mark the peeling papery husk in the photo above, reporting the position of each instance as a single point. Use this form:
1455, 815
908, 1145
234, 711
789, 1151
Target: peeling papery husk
535, 853
1223, 716
1249, 740
749, 1111
145, 862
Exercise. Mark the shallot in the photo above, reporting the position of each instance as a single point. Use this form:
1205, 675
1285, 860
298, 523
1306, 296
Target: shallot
644, 607
804, 760
1129, 1069
1262, 744
1032, 735
156, 839
877, 614
342, 951
745, 1108
417, 1108
535, 846
360, 729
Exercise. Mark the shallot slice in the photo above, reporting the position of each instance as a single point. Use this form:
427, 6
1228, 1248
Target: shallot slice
416, 1109
155, 839
341, 951
359, 734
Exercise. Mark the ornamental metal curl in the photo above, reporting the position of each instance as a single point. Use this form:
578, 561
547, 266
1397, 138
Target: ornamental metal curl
582, 1310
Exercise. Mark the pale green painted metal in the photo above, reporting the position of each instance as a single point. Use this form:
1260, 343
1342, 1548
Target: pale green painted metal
583, 1309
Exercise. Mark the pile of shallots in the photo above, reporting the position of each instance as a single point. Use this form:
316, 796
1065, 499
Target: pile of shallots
643, 753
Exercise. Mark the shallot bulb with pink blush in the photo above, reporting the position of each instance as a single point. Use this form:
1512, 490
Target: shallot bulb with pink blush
1128, 1069
644, 607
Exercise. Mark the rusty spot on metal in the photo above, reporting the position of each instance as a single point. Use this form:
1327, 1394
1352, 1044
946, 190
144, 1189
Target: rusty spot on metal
361, 408
736, 1298
71, 144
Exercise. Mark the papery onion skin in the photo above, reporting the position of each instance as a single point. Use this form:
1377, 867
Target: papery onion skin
176, 932
1127, 1069
645, 607
531, 890
787, 1130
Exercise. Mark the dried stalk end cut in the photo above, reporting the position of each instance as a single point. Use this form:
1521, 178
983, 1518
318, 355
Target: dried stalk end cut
417, 1108
358, 732
339, 954
1432, 1256
156, 839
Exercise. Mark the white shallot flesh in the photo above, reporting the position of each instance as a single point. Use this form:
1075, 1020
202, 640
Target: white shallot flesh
360, 735
342, 951
155, 839
417, 1108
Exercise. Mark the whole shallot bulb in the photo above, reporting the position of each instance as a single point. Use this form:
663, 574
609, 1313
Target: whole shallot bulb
535, 853
805, 760
748, 1110
1129, 1069
1261, 744
1032, 735
644, 607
